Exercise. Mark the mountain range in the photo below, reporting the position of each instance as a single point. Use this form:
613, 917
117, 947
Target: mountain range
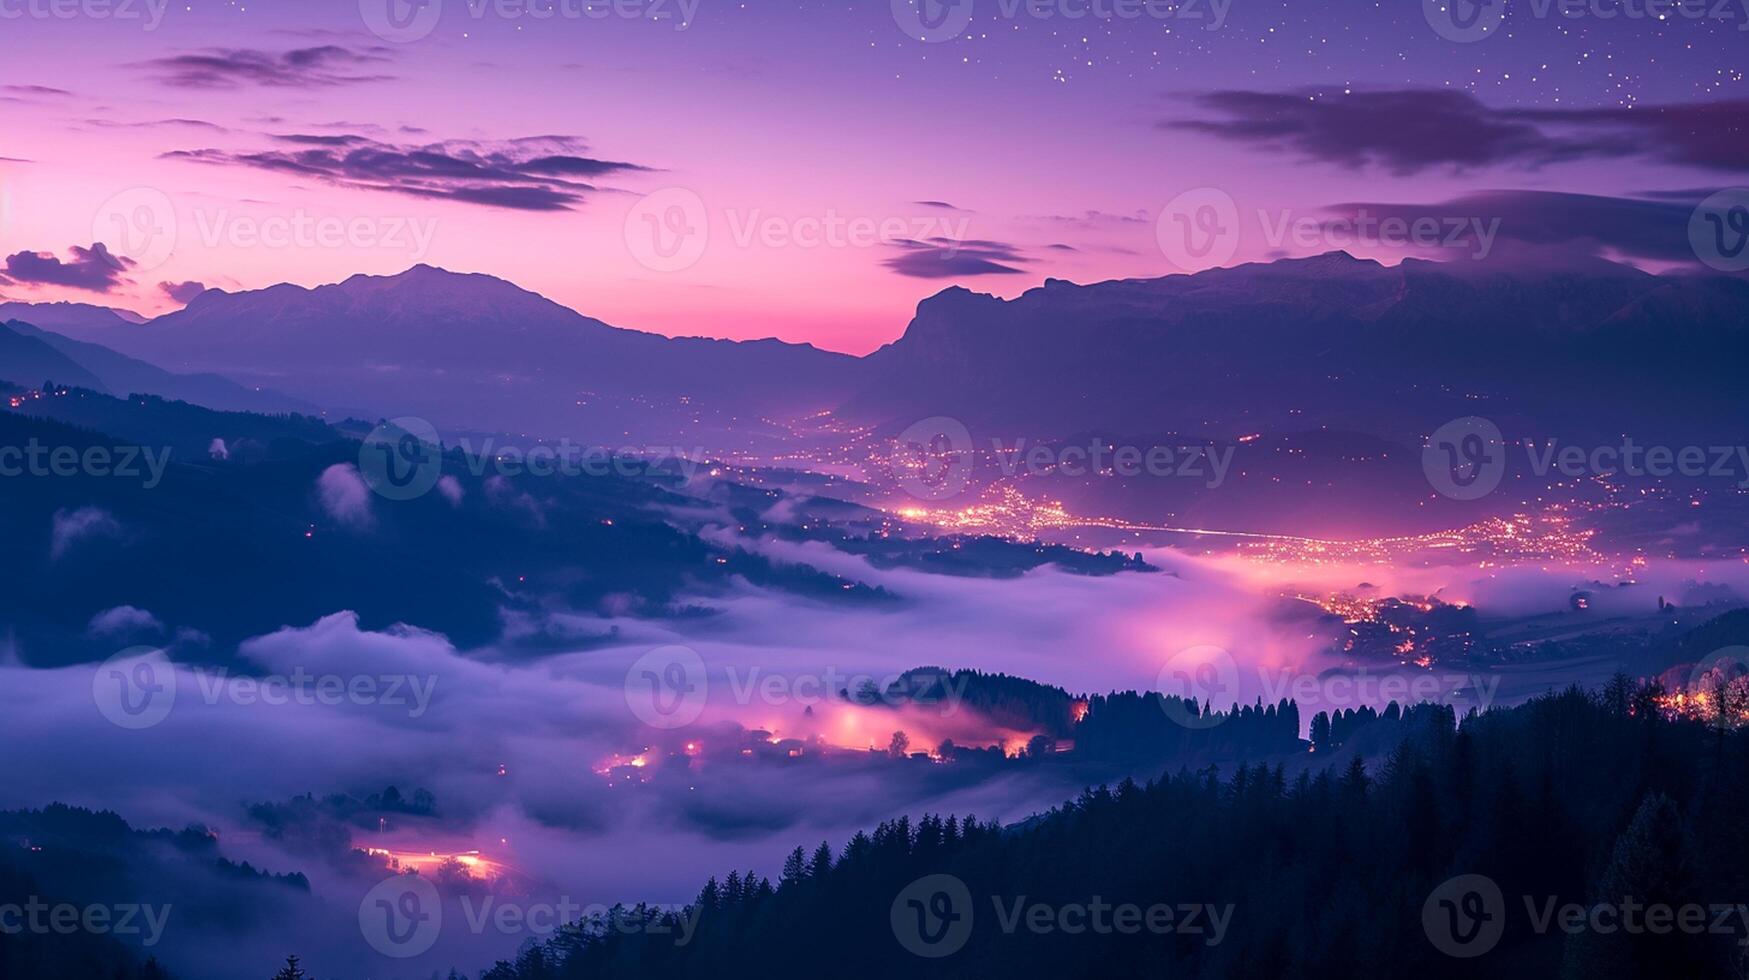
476, 352
1329, 340
1586, 347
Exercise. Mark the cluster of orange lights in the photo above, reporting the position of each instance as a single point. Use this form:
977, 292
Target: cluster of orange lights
1545, 537
473, 863
1714, 701
1000, 511
853, 733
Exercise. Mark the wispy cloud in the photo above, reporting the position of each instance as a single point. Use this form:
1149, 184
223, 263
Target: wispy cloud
35, 91
543, 173
944, 258
182, 292
324, 66
1635, 227
1407, 131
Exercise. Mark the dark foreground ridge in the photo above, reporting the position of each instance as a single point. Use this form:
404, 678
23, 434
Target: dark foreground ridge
1584, 799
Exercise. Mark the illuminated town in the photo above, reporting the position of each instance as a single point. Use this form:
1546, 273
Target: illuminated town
1720, 696
470, 863
1548, 537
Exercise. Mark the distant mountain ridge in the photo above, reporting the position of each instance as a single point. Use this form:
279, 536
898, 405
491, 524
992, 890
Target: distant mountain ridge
1329, 339
28, 360
477, 351
30, 356
55, 316
1296, 344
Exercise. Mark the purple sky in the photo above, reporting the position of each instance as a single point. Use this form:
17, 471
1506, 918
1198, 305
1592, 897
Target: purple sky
820, 147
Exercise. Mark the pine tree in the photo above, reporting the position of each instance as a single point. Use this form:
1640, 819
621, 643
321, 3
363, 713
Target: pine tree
795, 868
291, 970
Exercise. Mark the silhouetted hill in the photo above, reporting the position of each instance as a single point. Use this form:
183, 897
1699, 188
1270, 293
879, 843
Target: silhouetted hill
469, 350
105, 370
71, 317
1329, 340
1573, 799
28, 361
191, 433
